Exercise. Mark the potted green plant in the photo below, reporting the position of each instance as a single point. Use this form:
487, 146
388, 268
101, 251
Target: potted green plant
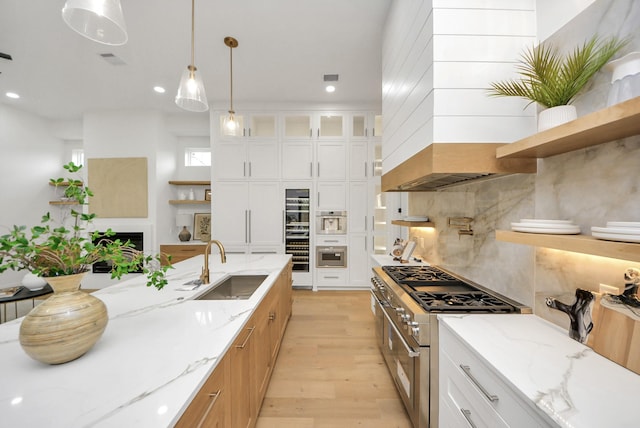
553, 80
61, 251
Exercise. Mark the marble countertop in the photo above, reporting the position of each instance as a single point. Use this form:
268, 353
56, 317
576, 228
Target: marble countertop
157, 350
566, 380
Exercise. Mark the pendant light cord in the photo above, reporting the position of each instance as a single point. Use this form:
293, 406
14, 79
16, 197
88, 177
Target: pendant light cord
231, 74
193, 26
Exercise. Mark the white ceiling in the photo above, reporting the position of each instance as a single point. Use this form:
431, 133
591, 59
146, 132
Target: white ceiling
285, 47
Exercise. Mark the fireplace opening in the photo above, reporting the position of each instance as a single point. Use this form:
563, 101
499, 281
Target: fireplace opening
136, 239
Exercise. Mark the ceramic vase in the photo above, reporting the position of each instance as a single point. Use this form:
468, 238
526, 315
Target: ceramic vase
554, 116
66, 325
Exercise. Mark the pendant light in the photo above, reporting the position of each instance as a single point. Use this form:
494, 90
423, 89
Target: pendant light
99, 20
191, 95
230, 125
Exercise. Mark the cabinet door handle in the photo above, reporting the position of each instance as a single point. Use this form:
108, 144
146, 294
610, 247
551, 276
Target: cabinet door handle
249, 226
214, 398
246, 226
318, 170
467, 371
365, 169
373, 223
366, 132
244, 344
249, 132
310, 132
249, 169
310, 169
467, 415
244, 168
365, 243
272, 316
318, 132
318, 199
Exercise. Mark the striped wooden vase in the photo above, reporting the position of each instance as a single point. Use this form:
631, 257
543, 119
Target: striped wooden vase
66, 325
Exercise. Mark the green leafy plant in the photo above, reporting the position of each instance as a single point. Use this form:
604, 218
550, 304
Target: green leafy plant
55, 249
552, 80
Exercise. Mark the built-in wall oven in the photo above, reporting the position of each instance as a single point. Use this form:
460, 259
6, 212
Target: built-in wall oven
331, 256
406, 301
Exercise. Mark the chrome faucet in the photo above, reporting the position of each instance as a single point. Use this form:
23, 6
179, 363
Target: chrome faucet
204, 277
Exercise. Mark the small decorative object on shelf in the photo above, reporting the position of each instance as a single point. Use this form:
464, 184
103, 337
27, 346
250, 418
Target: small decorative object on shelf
207, 194
554, 81
182, 220
192, 195
625, 78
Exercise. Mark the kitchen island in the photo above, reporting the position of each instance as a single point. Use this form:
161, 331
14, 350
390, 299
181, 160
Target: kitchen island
157, 351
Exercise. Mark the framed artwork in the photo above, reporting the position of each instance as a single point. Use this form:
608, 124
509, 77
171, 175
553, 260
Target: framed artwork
201, 225
207, 194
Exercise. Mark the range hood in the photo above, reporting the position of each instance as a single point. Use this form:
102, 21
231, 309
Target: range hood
441, 165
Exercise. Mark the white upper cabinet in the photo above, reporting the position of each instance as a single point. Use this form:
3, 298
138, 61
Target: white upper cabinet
297, 160
240, 160
314, 126
331, 161
360, 167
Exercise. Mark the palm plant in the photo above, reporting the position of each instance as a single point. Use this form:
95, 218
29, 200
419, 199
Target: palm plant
550, 79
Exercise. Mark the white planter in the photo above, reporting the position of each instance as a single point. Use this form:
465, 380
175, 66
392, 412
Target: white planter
554, 116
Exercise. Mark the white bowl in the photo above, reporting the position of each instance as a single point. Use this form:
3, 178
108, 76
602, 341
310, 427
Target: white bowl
635, 224
540, 220
618, 230
33, 282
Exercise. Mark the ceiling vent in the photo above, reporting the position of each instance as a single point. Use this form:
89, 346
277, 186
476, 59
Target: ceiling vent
112, 59
330, 77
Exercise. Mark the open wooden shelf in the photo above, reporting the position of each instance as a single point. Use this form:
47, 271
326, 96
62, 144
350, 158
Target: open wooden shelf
576, 243
413, 223
190, 183
609, 124
188, 202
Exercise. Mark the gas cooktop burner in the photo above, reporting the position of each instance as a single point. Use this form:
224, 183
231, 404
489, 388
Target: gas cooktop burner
419, 275
467, 301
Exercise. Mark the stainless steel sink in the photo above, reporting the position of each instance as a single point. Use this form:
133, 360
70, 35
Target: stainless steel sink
236, 287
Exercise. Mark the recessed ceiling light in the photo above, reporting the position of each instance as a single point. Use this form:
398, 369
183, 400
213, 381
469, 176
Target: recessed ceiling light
12, 95
330, 88
159, 89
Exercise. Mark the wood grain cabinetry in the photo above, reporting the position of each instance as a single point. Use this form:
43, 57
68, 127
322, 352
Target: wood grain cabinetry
211, 406
233, 394
181, 252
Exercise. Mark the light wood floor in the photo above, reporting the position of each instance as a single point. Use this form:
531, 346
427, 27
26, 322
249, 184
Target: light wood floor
329, 372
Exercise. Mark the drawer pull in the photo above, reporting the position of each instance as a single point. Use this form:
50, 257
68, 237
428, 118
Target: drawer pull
467, 371
246, 339
214, 398
467, 415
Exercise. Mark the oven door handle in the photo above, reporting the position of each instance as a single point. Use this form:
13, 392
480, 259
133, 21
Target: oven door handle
410, 351
382, 303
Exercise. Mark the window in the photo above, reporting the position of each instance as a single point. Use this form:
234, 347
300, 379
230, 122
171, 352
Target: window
77, 156
197, 157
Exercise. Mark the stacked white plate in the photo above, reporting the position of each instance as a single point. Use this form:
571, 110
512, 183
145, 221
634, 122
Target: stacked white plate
622, 231
416, 218
555, 227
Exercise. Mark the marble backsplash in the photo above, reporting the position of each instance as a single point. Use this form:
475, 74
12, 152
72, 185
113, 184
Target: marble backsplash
589, 186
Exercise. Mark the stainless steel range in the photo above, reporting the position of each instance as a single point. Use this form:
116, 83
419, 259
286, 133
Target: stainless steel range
406, 301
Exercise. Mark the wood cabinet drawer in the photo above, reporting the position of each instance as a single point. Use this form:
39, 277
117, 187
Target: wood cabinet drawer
179, 253
464, 374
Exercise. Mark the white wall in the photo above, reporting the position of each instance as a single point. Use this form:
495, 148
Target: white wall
30, 156
554, 14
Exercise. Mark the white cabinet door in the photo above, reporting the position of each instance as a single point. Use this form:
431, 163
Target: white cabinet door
230, 214
229, 160
297, 161
263, 161
359, 168
265, 214
331, 196
358, 211
331, 161
358, 260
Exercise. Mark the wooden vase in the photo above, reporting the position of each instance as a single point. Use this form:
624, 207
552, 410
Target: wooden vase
66, 325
